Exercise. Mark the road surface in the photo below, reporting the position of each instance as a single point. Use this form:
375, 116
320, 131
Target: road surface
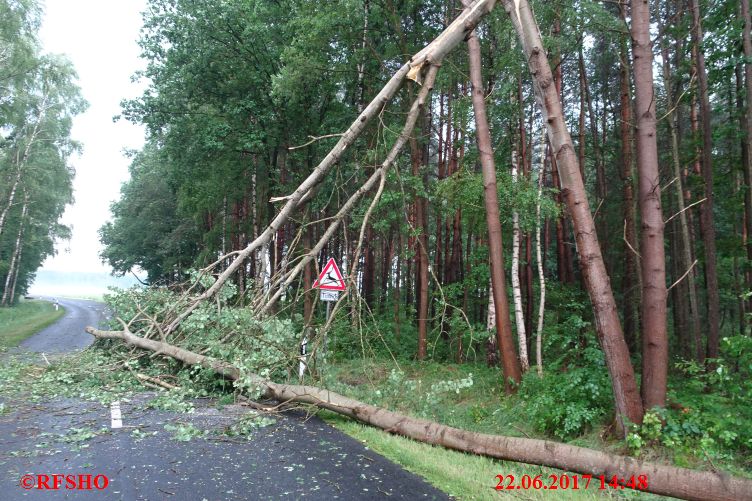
67, 334
297, 457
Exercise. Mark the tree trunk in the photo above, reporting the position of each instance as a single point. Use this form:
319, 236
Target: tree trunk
608, 327
653, 260
630, 286
519, 316
747, 167
16, 272
11, 198
660, 479
541, 275
706, 209
686, 247
510, 364
562, 261
369, 267
7, 299
22, 157
421, 254
308, 293
492, 350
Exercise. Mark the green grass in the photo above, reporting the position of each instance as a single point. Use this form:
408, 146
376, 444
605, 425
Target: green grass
26, 318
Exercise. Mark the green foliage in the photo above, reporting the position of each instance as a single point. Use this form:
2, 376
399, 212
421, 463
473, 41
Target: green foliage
248, 424
574, 395
87, 375
567, 403
174, 401
184, 432
147, 230
38, 100
265, 348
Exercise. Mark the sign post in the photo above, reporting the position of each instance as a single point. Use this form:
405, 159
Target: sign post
329, 284
303, 357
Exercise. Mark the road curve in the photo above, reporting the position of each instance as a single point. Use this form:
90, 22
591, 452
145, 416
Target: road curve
67, 334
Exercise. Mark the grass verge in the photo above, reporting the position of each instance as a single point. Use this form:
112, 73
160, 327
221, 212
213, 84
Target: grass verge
26, 318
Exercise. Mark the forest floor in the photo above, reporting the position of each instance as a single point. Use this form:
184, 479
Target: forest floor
26, 318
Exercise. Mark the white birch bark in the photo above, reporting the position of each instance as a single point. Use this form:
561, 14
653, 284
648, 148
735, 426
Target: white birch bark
21, 161
491, 319
539, 258
519, 315
14, 259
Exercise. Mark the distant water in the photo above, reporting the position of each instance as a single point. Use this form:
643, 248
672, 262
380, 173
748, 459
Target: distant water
88, 285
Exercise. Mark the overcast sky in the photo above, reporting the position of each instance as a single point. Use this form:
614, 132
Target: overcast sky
99, 37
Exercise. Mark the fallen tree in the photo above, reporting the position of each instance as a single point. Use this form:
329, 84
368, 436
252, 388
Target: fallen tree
661, 479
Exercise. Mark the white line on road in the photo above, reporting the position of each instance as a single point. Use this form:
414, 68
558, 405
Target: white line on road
117, 418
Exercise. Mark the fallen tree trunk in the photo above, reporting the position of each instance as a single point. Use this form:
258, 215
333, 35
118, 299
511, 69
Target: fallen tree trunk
661, 479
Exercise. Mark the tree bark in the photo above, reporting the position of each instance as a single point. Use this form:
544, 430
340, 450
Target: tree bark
519, 315
661, 479
510, 364
653, 260
22, 158
563, 264
7, 298
747, 167
421, 252
706, 209
608, 327
630, 286
541, 275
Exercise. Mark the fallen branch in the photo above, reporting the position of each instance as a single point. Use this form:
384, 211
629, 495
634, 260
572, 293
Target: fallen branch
661, 479
155, 382
313, 139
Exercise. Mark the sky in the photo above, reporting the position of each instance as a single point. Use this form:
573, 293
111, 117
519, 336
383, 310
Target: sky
99, 37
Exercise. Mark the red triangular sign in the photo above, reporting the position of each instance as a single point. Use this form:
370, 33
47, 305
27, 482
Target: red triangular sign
330, 278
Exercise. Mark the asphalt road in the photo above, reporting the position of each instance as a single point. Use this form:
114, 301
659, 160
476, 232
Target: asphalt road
67, 334
297, 457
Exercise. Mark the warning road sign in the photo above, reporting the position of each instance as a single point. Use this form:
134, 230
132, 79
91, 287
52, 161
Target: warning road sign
330, 278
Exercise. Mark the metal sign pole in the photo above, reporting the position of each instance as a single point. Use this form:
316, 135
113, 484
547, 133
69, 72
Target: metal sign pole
303, 357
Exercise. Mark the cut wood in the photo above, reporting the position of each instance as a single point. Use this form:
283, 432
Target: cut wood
661, 479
